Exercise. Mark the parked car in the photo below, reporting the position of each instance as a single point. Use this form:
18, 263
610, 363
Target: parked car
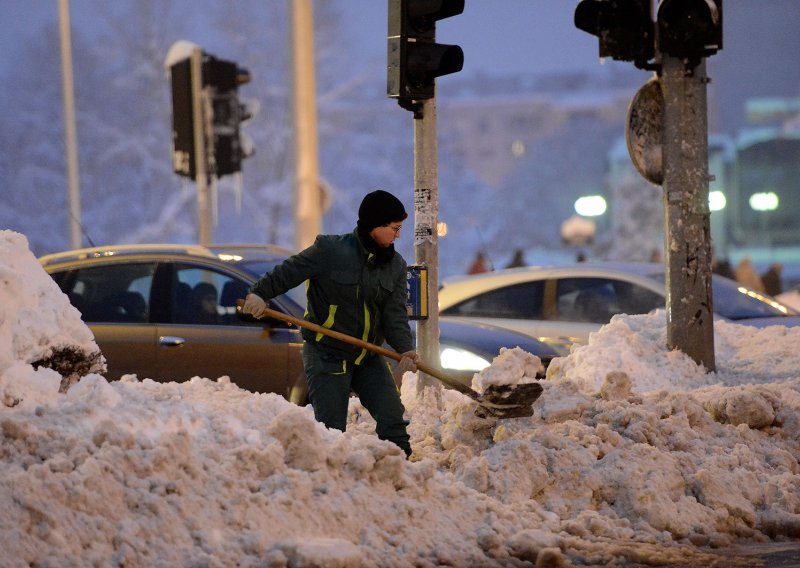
168, 312
562, 305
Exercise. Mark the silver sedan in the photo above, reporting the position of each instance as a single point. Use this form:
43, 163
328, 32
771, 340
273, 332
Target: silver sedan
562, 305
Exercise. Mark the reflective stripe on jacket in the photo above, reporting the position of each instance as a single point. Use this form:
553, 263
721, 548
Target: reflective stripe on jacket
347, 291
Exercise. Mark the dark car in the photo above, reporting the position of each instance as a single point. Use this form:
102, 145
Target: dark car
168, 312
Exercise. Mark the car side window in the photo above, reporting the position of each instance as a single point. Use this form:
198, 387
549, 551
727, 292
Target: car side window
634, 299
596, 300
115, 293
518, 301
591, 300
204, 296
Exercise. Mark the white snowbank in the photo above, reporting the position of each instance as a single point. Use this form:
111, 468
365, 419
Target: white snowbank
633, 455
35, 316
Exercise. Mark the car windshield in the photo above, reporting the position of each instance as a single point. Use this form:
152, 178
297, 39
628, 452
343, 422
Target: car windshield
735, 302
260, 267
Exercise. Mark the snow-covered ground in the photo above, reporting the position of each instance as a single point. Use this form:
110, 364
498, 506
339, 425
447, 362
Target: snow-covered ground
633, 455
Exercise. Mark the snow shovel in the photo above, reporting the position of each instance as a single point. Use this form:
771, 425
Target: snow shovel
499, 401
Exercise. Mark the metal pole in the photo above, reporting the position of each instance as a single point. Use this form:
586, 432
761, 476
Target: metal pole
199, 113
70, 136
426, 241
690, 322
308, 198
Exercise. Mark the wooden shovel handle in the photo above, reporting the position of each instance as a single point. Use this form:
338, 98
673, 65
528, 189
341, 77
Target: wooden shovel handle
436, 373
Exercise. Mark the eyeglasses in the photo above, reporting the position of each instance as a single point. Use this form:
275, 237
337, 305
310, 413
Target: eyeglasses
395, 229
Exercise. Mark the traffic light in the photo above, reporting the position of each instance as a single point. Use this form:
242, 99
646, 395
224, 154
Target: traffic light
219, 84
183, 154
414, 57
690, 29
222, 78
624, 28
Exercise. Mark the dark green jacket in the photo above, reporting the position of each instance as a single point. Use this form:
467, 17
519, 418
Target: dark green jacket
347, 291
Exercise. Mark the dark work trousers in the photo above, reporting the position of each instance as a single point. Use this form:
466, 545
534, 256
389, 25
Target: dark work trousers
330, 381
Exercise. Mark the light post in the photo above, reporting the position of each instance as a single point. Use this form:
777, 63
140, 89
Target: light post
70, 130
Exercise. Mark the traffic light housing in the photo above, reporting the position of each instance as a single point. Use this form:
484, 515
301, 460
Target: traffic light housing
183, 154
690, 29
414, 57
223, 78
624, 28
224, 148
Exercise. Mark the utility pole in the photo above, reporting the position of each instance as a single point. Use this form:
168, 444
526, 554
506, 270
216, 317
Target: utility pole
414, 61
690, 313
70, 135
308, 194
201, 127
669, 117
426, 221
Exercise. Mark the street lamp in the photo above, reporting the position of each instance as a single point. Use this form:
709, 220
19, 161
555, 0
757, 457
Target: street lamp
764, 201
591, 205
716, 201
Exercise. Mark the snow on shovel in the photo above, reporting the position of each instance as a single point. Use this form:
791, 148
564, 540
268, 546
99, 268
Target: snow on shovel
499, 401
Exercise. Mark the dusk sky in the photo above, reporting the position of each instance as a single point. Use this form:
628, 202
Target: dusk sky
512, 36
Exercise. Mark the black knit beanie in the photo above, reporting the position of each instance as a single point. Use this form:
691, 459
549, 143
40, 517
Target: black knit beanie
379, 208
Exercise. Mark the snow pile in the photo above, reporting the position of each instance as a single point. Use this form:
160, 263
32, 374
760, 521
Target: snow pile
631, 456
511, 367
37, 323
636, 346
